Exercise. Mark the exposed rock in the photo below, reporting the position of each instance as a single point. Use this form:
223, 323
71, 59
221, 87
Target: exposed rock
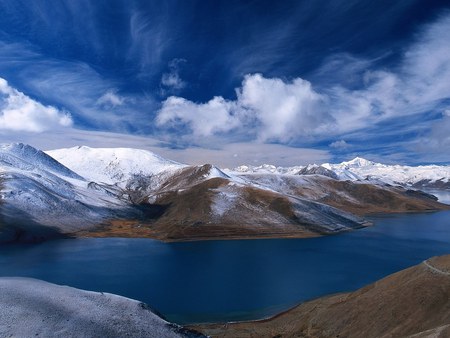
317, 170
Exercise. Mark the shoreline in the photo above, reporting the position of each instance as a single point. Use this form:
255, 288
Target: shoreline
360, 312
151, 234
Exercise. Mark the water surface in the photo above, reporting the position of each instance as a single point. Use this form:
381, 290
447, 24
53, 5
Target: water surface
233, 280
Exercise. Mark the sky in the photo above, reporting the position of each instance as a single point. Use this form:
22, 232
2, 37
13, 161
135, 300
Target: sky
230, 82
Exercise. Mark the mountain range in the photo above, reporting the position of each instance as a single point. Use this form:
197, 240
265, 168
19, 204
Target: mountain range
84, 191
360, 169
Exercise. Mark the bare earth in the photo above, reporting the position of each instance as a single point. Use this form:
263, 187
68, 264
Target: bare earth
411, 303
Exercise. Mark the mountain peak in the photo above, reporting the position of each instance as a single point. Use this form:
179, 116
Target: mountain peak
26, 157
112, 165
358, 162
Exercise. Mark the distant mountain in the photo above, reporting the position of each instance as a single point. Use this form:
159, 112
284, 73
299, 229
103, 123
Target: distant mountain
124, 192
360, 169
314, 169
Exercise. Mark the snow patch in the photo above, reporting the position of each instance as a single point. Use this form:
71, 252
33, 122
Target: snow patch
224, 200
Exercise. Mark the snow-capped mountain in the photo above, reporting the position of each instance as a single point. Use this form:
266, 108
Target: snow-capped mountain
129, 192
113, 165
37, 190
18, 156
429, 176
265, 169
360, 169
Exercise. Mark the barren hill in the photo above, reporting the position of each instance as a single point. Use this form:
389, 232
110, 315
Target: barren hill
411, 303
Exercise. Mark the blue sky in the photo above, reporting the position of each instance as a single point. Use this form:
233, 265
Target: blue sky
230, 82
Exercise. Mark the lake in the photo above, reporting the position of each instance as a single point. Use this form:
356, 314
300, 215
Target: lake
233, 280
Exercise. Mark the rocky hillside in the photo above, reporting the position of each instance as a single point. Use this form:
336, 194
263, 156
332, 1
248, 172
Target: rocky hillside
358, 197
411, 303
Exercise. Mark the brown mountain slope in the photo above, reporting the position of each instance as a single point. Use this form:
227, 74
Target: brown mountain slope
202, 202
218, 208
355, 197
411, 303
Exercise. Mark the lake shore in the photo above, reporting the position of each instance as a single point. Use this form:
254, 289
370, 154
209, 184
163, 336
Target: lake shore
412, 302
211, 281
140, 229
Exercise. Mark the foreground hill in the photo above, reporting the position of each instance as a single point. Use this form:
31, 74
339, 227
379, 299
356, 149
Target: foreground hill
411, 303
34, 308
134, 193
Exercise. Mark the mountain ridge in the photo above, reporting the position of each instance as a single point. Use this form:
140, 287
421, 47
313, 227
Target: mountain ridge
360, 169
135, 193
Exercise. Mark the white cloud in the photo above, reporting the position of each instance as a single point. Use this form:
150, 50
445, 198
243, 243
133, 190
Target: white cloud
171, 81
276, 110
19, 112
110, 98
427, 63
283, 111
340, 144
203, 120
271, 108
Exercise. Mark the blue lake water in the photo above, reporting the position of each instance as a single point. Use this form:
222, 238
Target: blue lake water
233, 280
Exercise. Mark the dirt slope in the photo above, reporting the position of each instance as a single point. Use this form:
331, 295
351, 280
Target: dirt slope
411, 303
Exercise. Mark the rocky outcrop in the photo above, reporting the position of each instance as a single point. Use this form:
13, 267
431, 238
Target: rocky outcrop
317, 170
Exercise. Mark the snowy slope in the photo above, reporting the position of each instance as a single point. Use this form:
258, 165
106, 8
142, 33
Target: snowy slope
34, 308
113, 165
24, 157
36, 189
